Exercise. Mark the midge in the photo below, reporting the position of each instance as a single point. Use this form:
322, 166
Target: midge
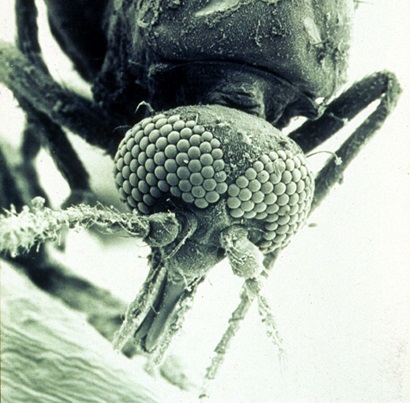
207, 166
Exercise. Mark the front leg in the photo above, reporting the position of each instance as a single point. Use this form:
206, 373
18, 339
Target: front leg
382, 86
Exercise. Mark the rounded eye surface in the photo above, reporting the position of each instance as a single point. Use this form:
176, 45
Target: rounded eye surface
178, 146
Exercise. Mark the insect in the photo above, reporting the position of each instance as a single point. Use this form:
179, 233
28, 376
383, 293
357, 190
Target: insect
168, 62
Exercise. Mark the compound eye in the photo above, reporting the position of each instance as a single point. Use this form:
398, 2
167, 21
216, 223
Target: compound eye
276, 190
168, 156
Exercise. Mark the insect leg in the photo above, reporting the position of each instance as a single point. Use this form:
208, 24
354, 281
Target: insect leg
27, 33
62, 151
63, 107
383, 86
9, 191
78, 26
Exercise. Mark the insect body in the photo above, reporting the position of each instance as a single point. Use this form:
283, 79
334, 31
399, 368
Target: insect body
222, 77
272, 59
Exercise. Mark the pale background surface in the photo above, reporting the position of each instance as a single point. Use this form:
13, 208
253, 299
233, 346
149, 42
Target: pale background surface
340, 291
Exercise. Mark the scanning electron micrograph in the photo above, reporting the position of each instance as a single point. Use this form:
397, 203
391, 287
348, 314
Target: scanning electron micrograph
204, 200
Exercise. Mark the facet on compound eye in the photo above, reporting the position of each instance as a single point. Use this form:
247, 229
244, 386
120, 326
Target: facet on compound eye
171, 151
267, 188
217, 153
205, 147
163, 186
133, 179
272, 209
245, 194
130, 143
212, 197
166, 129
138, 136
262, 176
198, 129
127, 158
134, 165
154, 136
171, 166
150, 151
233, 202
208, 184
135, 151
186, 133
260, 207
183, 172
221, 187
250, 174
254, 185
161, 143
194, 152
182, 159
188, 198
158, 117
201, 203
206, 136
195, 140
198, 191
149, 128
206, 159
195, 165
173, 137
291, 188
183, 145
242, 182
220, 176
119, 179
160, 158
286, 177
215, 143
160, 172
250, 214
283, 200
233, 190
196, 179
279, 188
218, 165
178, 125
174, 118
258, 197
176, 192
185, 185
247, 205
258, 166
261, 216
